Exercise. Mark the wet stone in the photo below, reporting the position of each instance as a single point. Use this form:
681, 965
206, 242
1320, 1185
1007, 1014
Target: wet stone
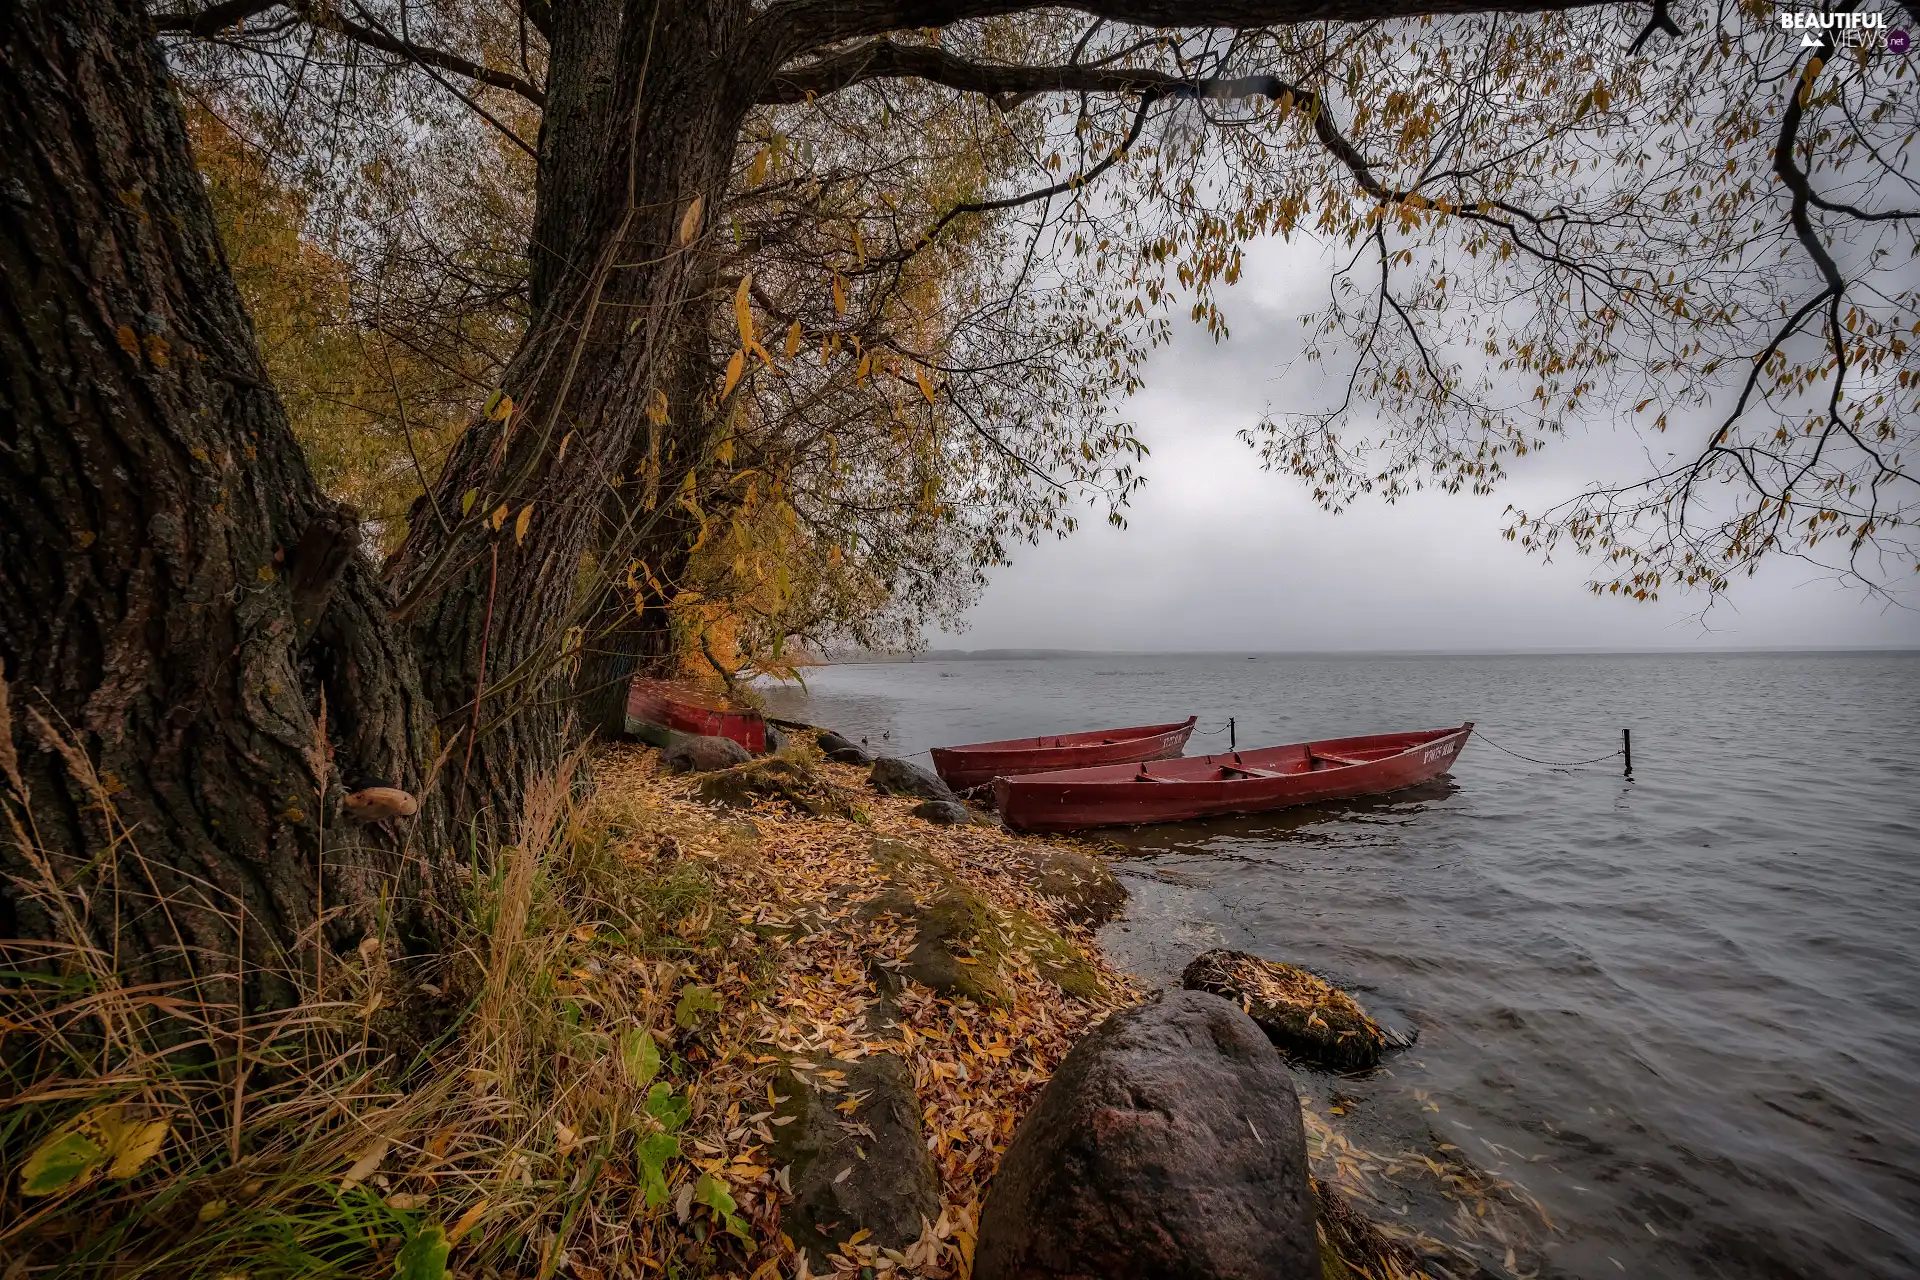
1306, 1016
1168, 1144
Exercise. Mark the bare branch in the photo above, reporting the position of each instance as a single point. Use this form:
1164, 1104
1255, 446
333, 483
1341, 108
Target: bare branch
214, 18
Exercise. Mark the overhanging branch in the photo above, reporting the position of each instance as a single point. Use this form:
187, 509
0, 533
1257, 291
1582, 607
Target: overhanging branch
885, 59
220, 17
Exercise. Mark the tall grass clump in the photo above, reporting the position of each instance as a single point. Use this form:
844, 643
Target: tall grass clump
534, 1101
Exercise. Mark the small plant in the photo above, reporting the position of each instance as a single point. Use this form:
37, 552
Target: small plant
155, 1133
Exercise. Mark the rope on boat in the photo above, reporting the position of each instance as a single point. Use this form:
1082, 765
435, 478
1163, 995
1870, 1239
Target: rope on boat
1554, 764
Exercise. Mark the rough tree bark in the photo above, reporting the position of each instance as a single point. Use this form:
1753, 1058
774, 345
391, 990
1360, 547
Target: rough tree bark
659, 116
175, 591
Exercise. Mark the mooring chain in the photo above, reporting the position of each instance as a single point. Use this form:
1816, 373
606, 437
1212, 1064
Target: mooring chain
1555, 764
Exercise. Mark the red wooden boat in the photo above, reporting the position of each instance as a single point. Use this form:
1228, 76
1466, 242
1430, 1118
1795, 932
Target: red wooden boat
1233, 782
979, 762
657, 710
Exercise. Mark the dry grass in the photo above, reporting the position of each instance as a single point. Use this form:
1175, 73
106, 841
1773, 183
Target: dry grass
598, 1104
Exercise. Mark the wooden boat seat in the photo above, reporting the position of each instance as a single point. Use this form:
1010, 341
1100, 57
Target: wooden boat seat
1334, 759
1249, 771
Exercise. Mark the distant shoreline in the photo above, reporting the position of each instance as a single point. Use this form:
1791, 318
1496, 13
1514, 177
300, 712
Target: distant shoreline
1029, 655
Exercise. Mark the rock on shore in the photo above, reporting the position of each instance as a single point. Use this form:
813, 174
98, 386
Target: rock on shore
776, 778
703, 755
1168, 1144
864, 1169
899, 777
1304, 1015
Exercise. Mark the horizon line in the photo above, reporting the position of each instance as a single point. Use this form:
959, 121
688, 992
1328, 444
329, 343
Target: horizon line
1010, 651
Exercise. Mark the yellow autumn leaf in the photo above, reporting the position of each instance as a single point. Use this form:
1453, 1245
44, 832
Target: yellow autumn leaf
839, 297
743, 310
926, 387
499, 516
690, 221
520, 524
757, 171
793, 340
735, 367
133, 1143
465, 1222
106, 1138
657, 408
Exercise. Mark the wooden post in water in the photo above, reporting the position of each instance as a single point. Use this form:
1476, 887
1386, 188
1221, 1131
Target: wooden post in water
1232, 743
1626, 749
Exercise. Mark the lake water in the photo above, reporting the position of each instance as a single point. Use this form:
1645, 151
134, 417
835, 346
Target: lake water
1682, 1011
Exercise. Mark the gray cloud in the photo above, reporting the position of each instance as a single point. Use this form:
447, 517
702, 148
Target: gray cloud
1221, 555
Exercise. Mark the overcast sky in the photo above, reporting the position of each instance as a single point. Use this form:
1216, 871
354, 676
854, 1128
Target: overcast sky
1221, 555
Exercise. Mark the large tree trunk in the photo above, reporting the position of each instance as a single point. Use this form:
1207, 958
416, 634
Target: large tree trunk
176, 594
490, 610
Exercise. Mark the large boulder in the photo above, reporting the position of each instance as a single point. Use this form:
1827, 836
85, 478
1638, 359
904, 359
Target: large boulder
830, 742
868, 1169
897, 777
1167, 1145
1306, 1016
850, 754
776, 778
704, 755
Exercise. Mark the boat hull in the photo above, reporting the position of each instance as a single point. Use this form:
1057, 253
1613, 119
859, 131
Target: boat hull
969, 766
658, 711
1233, 782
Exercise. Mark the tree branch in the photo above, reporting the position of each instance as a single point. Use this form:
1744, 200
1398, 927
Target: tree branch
790, 28
884, 59
214, 19
378, 37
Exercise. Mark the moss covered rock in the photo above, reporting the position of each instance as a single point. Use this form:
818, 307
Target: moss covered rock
1086, 890
1307, 1017
964, 942
865, 1169
776, 778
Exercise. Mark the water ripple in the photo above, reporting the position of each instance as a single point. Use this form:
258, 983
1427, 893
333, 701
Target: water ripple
1683, 1009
